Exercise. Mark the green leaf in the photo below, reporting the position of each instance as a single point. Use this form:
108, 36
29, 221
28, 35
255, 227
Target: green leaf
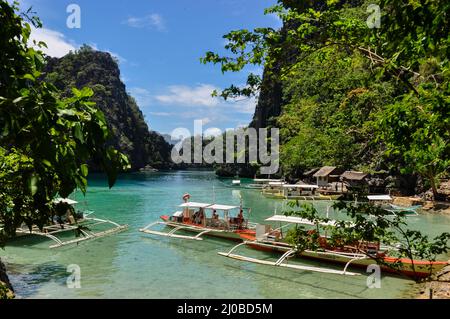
78, 133
29, 77
32, 184
46, 163
84, 170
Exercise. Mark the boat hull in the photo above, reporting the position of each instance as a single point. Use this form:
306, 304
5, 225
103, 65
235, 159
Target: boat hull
418, 269
235, 235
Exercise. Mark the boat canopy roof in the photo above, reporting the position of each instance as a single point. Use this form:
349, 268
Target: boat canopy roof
65, 201
379, 197
208, 206
222, 207
194, 205
297, 220
302, 186
256, 180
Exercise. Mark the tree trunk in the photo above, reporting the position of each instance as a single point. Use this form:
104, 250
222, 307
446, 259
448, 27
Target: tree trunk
432, 179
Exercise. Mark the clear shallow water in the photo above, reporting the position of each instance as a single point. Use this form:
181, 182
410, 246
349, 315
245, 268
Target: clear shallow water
134, 265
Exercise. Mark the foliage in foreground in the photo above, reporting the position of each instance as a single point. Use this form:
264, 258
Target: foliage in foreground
365, 224
375, 98
46, 141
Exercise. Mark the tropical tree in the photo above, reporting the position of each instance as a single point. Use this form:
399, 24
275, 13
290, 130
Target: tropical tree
366, 224
408, 51
46, 141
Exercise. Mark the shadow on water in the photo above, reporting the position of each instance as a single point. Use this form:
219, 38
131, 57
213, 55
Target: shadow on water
129, 263
27, 281
200, 251
298, 276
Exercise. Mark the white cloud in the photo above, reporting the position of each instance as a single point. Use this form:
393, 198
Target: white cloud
190, 96
119, 58
205, 120
153, 20
142, 96
196, 102
212, 132
58, 45
244, 106
161, 114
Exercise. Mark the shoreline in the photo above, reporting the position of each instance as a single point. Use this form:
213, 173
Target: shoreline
437, 288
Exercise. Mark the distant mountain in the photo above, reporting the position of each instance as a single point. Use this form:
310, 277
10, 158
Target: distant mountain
100, 71
168, 139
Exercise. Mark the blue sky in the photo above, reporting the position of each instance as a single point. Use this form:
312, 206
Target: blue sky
159, 44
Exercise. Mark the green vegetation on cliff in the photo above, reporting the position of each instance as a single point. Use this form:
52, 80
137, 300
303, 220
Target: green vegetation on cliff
46, 140
100, 72
345, 94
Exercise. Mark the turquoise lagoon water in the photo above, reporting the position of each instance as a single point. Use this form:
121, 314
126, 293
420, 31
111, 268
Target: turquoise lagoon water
135, 265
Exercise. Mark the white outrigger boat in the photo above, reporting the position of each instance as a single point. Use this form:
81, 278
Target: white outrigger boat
83, 227
285, 191
386, 202
359, 255
204, 219
261, 183
236, 182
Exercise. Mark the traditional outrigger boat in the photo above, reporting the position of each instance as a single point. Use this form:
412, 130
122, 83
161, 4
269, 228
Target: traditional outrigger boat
83, 225
223, 221
261, 183
358, 255
285, 191
236, 182
386, 202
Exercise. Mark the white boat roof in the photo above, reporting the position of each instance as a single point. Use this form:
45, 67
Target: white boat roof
301, 186
222, 207
379, 197
297, 220
267, 180
194, 205
65, 200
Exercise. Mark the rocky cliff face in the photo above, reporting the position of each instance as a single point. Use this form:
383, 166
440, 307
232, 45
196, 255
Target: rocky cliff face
269, 102
6, 290
100, 71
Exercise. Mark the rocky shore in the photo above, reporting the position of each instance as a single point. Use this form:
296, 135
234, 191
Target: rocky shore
6, 290
438, 287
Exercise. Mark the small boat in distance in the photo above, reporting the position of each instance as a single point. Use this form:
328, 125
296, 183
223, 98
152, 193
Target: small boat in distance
236, 182
285, 191
361, 254
386, 202
203, 219
261, 183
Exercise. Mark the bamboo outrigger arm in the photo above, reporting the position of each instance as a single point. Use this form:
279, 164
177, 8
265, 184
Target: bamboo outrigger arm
51, 232
172, 233
280, 262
